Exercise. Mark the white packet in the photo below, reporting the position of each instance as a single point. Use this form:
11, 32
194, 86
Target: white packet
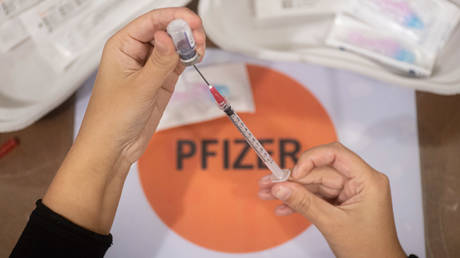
61, 37
268, 12
47, 17
383, 46
46, 20
12, 33
429, 23
192, 103
10, 8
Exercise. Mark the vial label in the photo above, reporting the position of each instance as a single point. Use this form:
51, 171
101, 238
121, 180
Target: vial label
186, 46
190, 39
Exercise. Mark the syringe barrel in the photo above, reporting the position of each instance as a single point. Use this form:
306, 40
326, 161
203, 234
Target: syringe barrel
278, 173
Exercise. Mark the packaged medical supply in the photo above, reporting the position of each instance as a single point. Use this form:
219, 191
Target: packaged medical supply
305, 42
64, 30
275, 11
383, 46
12, 31
48, 22
429, 23
10, 8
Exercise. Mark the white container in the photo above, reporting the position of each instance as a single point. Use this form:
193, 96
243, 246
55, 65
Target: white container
233, 26
30, 87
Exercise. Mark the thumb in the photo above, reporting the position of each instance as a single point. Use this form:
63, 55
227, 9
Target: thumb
298, 198
162, 61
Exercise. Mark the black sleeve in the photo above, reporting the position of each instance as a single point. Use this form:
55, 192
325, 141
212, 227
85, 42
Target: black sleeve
49, 234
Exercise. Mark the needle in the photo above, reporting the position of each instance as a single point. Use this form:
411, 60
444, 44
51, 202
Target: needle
204, 79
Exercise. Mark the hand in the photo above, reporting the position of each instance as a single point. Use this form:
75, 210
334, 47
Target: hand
136, 78
344, 197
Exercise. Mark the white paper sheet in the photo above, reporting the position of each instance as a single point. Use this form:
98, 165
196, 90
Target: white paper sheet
377, 120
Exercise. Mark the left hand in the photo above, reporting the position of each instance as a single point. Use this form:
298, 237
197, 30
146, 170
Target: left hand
137, 75
136, 78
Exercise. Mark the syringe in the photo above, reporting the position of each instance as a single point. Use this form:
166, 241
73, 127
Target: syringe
279, 175
181, 35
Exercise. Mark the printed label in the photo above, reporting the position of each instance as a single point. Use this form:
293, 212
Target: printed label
50, 15
12, 33
10, 8
288, 4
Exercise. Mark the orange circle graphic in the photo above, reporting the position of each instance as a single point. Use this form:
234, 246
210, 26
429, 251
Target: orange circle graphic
202, 179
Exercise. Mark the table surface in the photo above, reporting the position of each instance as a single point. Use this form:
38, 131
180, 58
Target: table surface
26, 172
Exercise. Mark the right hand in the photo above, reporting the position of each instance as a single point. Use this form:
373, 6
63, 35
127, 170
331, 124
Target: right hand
348, 201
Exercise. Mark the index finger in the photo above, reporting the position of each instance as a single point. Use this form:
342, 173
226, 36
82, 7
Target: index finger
144, 27
334, 155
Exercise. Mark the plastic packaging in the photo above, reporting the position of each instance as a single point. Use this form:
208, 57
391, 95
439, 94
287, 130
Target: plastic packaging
63, 30
276, 11
49, 16
31, 86
349, 34
227, 22
10, 8
12, 31
47, 24
429, 23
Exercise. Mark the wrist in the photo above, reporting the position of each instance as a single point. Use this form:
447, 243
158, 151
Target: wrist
399, 252
87, 186
100, 157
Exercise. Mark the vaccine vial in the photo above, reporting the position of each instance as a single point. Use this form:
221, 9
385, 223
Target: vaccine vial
182, 37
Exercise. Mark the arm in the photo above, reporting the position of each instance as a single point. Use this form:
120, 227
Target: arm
136, 77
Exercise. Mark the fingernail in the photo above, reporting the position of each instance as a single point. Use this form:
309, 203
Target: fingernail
294, 172
161, 48
282, 193
264, 194
266, 180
